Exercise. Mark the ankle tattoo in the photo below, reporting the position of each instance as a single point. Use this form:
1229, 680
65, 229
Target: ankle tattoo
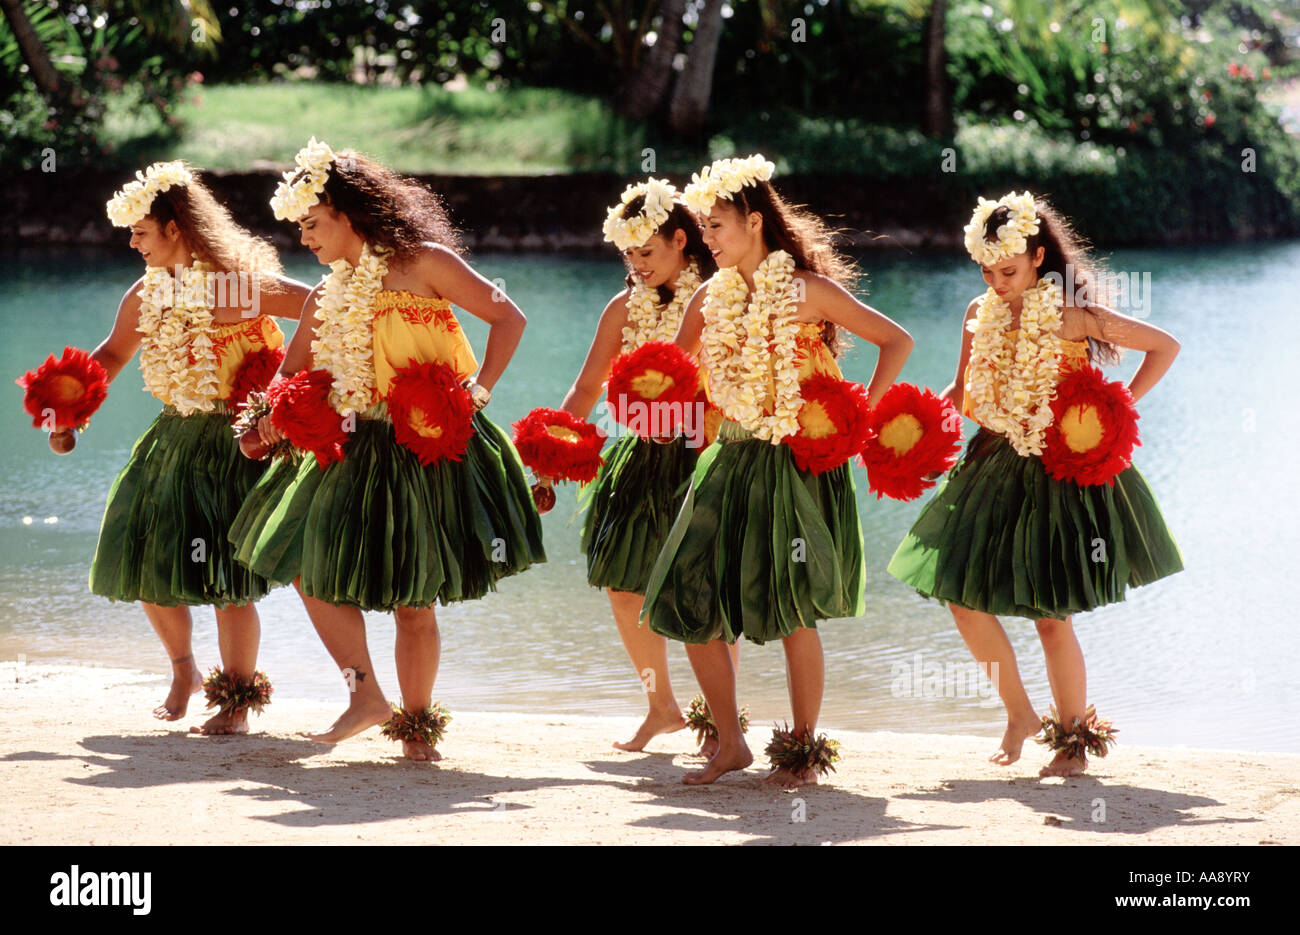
183, 659
352, 675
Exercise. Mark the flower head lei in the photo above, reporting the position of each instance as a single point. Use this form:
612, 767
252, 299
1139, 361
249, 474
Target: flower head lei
1012, 237
625, 233
723, 178
304, 183
130, 205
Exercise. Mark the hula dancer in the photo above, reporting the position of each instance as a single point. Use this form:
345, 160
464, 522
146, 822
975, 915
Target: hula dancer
763, 548
200, 317
635, 498
418, 497
1043, 517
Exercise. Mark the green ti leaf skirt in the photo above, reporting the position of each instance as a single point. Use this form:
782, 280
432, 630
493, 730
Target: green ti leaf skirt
1003, 537
378, 530
164, 535
631, 506
759, 548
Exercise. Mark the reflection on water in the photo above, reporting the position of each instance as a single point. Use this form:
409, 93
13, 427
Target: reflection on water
1207, 658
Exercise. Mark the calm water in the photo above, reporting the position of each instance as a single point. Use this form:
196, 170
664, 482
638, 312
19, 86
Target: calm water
1207, 658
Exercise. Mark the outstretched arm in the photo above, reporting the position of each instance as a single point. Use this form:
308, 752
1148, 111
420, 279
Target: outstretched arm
286, 299
604, 348
116, 350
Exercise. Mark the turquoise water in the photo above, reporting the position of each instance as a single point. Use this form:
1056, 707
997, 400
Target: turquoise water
1206, 658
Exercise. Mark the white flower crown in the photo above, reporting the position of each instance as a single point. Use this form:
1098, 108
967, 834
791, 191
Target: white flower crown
722, 178
128, 206
1012, 236
634, 231
311, 167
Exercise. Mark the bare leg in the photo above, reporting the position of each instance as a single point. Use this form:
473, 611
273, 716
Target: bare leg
805, 672
1069, 680
343, 631
417, 651
174, 627
239, 631
649, 654
710, 745
716, 674
989, 645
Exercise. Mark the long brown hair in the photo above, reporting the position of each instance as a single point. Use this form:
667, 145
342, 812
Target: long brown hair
805, 237
387, 209
212, 234
1064, 251
679, 219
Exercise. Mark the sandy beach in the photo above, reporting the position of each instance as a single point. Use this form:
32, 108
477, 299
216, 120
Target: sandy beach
82, 762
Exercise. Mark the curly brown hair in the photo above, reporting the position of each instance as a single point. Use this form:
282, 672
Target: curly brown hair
803, 235
212, 234
387, 209
679, 219
1064, 251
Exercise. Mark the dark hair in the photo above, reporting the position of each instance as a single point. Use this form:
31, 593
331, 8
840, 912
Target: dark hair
805, 237
1063, 251
679, 219
212, 234
388, 209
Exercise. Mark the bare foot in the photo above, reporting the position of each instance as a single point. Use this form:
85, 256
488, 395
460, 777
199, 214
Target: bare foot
722, 762
787, 778
1063, 765
1018, 731
421, 751
219, 723
360, 715
709, 747
655, 723
187, 680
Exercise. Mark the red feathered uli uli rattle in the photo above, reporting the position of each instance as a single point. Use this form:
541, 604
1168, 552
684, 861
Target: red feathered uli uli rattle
61, 395
915, 434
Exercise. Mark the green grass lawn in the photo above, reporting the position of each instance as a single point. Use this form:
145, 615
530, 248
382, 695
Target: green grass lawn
525, 131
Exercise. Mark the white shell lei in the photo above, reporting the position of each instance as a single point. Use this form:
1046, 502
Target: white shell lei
747, 339
646, 321
177, 355
1012, 394
344, 343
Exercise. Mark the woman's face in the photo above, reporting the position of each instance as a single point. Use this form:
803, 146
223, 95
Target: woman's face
730, 235
329, 235
1013, 276
658, 261
158, 245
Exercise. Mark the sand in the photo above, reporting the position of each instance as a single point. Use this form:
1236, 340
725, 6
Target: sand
83, 762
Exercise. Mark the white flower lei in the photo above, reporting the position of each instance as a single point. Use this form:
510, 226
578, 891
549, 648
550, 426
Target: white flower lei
1010, 394
1012, 236
724, 178
635, 231
344, 343
646, 321
176, 322
132, 203
292, 199
747, 338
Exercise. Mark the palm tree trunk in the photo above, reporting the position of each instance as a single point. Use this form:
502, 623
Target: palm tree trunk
642, 94
34, 53
690, 103
938, 102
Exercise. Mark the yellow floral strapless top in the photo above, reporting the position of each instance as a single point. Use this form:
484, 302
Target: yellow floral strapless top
234, 340
1074, 354
410, 327
812, 357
